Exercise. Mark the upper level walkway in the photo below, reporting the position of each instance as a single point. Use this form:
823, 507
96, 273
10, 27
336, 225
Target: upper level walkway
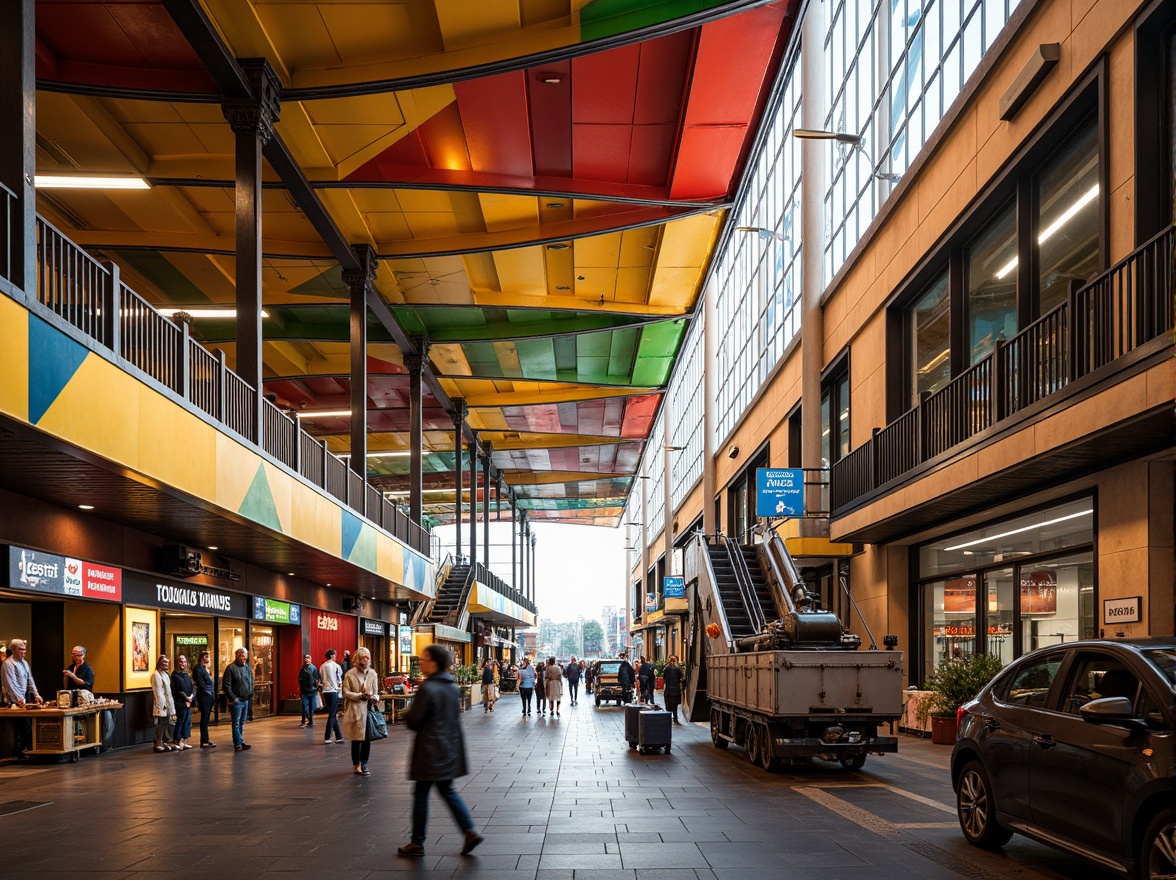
556, 798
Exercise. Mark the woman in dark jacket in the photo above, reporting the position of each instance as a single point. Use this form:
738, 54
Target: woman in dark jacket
438, 754
672, 693
184, 694
205, 695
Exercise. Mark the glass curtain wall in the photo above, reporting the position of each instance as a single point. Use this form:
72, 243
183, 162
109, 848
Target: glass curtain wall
686, 401
928, 328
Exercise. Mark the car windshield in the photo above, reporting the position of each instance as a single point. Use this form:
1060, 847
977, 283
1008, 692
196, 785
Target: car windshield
610, 668
1163, 659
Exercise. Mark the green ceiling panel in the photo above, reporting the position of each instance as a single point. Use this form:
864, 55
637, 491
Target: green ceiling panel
569, 503
620, 363
472, 324
655, 356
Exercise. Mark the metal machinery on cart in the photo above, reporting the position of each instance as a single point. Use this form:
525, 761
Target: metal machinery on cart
773, 672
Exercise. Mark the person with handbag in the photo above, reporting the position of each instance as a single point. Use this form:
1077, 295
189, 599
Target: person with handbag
438, 753
20, 690
183, 695
361, 696
164, 704
205, 696
308, 688
489, 689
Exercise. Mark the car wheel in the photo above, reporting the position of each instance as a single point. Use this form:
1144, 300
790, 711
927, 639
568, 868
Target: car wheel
1157, 856
976, 808
598, 701
716, 739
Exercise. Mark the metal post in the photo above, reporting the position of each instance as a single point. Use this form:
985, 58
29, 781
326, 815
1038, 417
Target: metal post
474, 499
486, 451
359, 282
416, 422
252, 121
710, 384
183, 361
18, 139
667, 491
222, 376
644, 536
459, 411
514, 527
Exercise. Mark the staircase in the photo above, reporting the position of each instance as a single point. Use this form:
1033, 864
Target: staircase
727, 590
448, 605
763, 589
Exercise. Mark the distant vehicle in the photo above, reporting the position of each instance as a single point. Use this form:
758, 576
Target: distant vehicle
604, 682
1075, 746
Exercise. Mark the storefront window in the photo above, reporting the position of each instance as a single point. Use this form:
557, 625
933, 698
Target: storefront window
1057, 601
998, 628
991, 302
949, 607
929, 340
262, 658
1067, 199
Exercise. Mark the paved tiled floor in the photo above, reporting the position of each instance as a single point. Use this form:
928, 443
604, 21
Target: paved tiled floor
557, 799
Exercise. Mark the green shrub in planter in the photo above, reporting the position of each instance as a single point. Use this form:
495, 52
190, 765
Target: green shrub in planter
957, 681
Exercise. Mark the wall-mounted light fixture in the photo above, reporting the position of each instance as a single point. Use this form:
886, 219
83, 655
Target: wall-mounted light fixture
733, 452
854, 141
763, 232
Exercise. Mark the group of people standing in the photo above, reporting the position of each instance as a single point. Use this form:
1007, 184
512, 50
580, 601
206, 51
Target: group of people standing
645, 677
174, 694
545, 682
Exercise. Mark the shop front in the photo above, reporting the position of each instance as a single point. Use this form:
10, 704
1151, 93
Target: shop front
458, 641
1009, 587
373, 635
275, 651
404, 648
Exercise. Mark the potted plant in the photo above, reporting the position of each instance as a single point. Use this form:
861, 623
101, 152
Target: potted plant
955, 682
465, 676
658, 666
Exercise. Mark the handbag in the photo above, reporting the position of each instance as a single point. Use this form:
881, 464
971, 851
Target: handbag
377, 727
318, 699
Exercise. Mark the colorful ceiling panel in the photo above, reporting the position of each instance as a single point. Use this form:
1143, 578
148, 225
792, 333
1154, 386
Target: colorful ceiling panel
543, 183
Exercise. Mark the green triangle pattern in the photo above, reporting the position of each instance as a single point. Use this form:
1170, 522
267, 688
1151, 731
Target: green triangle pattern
259, 502
363, 553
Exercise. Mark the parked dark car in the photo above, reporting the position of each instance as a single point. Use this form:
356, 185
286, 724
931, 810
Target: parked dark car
1075, 746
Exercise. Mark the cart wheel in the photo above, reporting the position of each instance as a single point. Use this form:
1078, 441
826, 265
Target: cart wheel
716, 739
667, 749
752, 743
598, 701
765, 747
853, 761
73, 757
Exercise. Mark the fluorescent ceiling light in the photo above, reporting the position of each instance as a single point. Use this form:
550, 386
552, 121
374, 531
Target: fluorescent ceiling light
326, 414
72, 181
1085, 199
399, 493
392, 453
172, 311
1018, 531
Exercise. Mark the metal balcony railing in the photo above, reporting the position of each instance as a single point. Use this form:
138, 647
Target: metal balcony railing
1126, 307
90, 296
498, 585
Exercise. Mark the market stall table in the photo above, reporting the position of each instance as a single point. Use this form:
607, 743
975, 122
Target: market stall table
63, 731
397, 703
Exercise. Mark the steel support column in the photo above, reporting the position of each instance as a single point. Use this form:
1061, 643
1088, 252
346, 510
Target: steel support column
710, 385
458, 415
514, 527
18, 140
416, 428
533, 578
360, 283
487, 449
252, 121
473, 498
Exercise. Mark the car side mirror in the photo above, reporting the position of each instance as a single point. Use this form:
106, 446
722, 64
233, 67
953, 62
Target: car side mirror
1111, 710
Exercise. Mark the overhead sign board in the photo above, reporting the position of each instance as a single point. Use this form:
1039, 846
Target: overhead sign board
674, 587
779, 492
63, 575
373, 627
276, 611
149, 592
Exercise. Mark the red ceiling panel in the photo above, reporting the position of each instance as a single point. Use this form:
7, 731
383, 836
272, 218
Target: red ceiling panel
441, 135
649, 157
551, 118
639, 413
601, 152
604, 86
495, 118
664, 65
706, 162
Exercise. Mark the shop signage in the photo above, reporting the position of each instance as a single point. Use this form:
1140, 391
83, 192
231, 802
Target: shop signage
63, 576
952, 629
674, 587
1039, 592
276, 611
373, 628
779, 492
192, 641
1128, 610
406, 641
327, 622
651, 602
150, 593
450, 633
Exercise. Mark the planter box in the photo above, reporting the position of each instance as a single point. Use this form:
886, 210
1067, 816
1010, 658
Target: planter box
943, 730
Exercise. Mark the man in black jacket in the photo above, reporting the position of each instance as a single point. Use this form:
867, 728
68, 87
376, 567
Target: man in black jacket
308, 685
438, 754
626, 676
672, 693
237, 684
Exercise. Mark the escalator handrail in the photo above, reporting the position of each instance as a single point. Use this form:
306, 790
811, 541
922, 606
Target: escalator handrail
755, 614
719, 609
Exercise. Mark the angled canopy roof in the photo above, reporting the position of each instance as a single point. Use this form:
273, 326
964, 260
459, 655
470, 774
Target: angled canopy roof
543, 182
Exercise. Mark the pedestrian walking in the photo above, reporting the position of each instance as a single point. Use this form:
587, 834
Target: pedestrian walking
647, 678
183, 695
438, 753
572, 674
163, 708
361, 694
308, 688
553, 681
205, 696
526, 684
331, 676
626, 676
237, 684
672, 686
489, 688
540, 686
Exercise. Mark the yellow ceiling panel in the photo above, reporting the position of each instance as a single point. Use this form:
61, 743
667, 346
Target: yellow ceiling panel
424, 201
387, 226
248, 37
215, 137
449, 360
638, 246
505, 392
531, 440
69, 131
508, 356
487, 418
431, 225
598, 251
675, 287
687, 241
349, 146
502, 212
464, 24
376, 200
593, 283
369, 109
364, 32
173, 139
633, 284
211, 199
521, 271
122, 110
545, 478
482, 273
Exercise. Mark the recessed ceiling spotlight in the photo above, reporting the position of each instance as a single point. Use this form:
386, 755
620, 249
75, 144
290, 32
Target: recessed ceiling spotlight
555, 204
210, 547
562, 287
290, 574
85, 507
550, 79
558, 246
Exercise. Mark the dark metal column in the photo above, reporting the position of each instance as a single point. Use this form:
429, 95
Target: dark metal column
514, 527
533, 538
486, 451
252, 121
18, 144
474, 499
459, 413
523, 552
359, 282
416, 428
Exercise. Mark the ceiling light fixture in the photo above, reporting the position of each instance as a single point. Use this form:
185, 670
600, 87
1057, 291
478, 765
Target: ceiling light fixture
400, 493
85, 507
172, 311
72, 181
391, 453
551, 79
555, 204
763, 232
558, 246
1085, 199
213, 547
325, 414
1018, 531
562, 287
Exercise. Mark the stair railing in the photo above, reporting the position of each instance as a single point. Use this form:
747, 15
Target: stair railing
751, 603
424, 609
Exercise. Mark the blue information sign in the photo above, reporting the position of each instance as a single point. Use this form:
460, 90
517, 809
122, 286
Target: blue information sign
674, 587
779, 492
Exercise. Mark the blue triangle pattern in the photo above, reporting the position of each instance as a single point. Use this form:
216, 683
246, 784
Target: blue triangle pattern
57, 360
352, 526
